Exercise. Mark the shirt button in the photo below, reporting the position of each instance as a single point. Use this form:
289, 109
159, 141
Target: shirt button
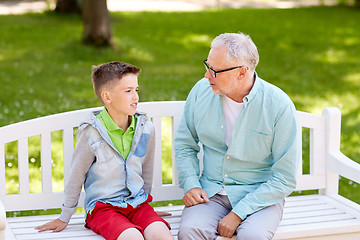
222, 126
227, 157
225, 175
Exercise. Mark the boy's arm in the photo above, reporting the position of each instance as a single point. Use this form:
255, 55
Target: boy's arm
148, 165
82, 159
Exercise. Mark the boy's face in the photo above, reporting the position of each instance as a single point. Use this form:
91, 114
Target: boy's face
122, 97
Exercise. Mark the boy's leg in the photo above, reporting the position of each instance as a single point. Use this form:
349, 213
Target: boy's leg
153, 225
262, 224
200, 221
131, 233
157, 231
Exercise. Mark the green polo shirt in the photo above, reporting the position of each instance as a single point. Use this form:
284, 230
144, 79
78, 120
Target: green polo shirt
122, 140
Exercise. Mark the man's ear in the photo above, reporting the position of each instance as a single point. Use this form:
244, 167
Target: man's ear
242, 72
105, 96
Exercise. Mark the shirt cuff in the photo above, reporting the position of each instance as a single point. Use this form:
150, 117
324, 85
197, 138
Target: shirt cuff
66, 213
242, 210
191, 183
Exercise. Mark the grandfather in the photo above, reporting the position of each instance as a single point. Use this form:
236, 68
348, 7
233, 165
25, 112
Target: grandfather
250, 137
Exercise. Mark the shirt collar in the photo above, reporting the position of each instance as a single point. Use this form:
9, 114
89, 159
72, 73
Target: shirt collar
109, 123
253, 90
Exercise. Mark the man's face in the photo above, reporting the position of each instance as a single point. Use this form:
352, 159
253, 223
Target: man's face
224, 82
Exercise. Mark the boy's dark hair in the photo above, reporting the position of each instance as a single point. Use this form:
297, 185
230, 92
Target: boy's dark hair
108, 72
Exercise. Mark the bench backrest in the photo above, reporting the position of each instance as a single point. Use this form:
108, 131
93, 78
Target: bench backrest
321, 137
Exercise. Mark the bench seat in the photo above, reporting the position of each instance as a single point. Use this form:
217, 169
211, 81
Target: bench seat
305, 217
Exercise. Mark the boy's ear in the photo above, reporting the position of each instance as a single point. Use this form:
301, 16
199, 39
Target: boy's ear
105, 95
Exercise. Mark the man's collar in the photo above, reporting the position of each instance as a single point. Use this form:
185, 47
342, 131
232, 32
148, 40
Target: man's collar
253, 90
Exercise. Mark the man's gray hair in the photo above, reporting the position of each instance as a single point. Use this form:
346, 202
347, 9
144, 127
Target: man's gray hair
241, 49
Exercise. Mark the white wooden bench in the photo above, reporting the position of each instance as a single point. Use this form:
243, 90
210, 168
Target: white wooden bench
325, 215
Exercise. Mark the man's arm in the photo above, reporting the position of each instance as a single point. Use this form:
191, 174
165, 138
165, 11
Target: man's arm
186, 146
286, 150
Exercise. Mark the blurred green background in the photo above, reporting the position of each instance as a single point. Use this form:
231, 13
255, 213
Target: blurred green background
311, 53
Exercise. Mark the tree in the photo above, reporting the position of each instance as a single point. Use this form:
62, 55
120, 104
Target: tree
67, 6
96, 20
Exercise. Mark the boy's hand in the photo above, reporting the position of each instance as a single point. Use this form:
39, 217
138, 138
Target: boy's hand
56, 225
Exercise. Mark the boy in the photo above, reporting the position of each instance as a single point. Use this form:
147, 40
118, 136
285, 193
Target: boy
114, 158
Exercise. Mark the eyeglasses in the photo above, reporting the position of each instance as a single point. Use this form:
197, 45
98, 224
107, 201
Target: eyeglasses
213, 72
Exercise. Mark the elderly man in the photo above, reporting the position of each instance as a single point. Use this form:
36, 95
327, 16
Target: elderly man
250, 136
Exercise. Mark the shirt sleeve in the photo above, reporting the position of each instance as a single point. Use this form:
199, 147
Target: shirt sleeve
82, 159
286, 152
186, 146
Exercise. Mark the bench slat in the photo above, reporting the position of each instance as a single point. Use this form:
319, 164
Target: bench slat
45, 124
68, 148
323, 212
310, 182
2, 171
23, 165
46, 172
175, 124
157, 178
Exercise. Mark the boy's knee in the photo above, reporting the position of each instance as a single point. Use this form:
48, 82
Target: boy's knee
158, 230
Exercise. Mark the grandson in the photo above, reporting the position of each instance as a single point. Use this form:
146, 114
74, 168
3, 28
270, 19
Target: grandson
113, 159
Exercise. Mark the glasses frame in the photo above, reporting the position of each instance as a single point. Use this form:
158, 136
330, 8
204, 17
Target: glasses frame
213, 72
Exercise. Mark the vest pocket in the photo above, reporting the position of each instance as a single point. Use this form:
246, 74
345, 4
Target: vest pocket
142, 145
102, 151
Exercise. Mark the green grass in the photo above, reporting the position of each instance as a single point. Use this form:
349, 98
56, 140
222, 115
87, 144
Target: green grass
311, 53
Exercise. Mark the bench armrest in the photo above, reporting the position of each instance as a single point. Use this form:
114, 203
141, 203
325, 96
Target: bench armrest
344, 166
2, 221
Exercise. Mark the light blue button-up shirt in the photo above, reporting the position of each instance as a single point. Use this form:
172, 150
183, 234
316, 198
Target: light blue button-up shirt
259, 166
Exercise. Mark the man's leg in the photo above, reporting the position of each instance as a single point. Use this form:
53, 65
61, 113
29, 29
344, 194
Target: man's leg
200, 222
262, 224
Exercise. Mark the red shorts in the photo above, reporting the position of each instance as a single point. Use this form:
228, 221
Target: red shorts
110, 221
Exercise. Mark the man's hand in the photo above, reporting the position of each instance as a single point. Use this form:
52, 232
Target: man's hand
227, 226
195, 196
56, 225
163, 214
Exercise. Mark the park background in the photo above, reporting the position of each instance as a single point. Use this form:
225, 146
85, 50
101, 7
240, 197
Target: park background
309, 49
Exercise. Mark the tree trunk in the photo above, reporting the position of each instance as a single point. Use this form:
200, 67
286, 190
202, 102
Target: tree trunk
67, 6
96, 19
